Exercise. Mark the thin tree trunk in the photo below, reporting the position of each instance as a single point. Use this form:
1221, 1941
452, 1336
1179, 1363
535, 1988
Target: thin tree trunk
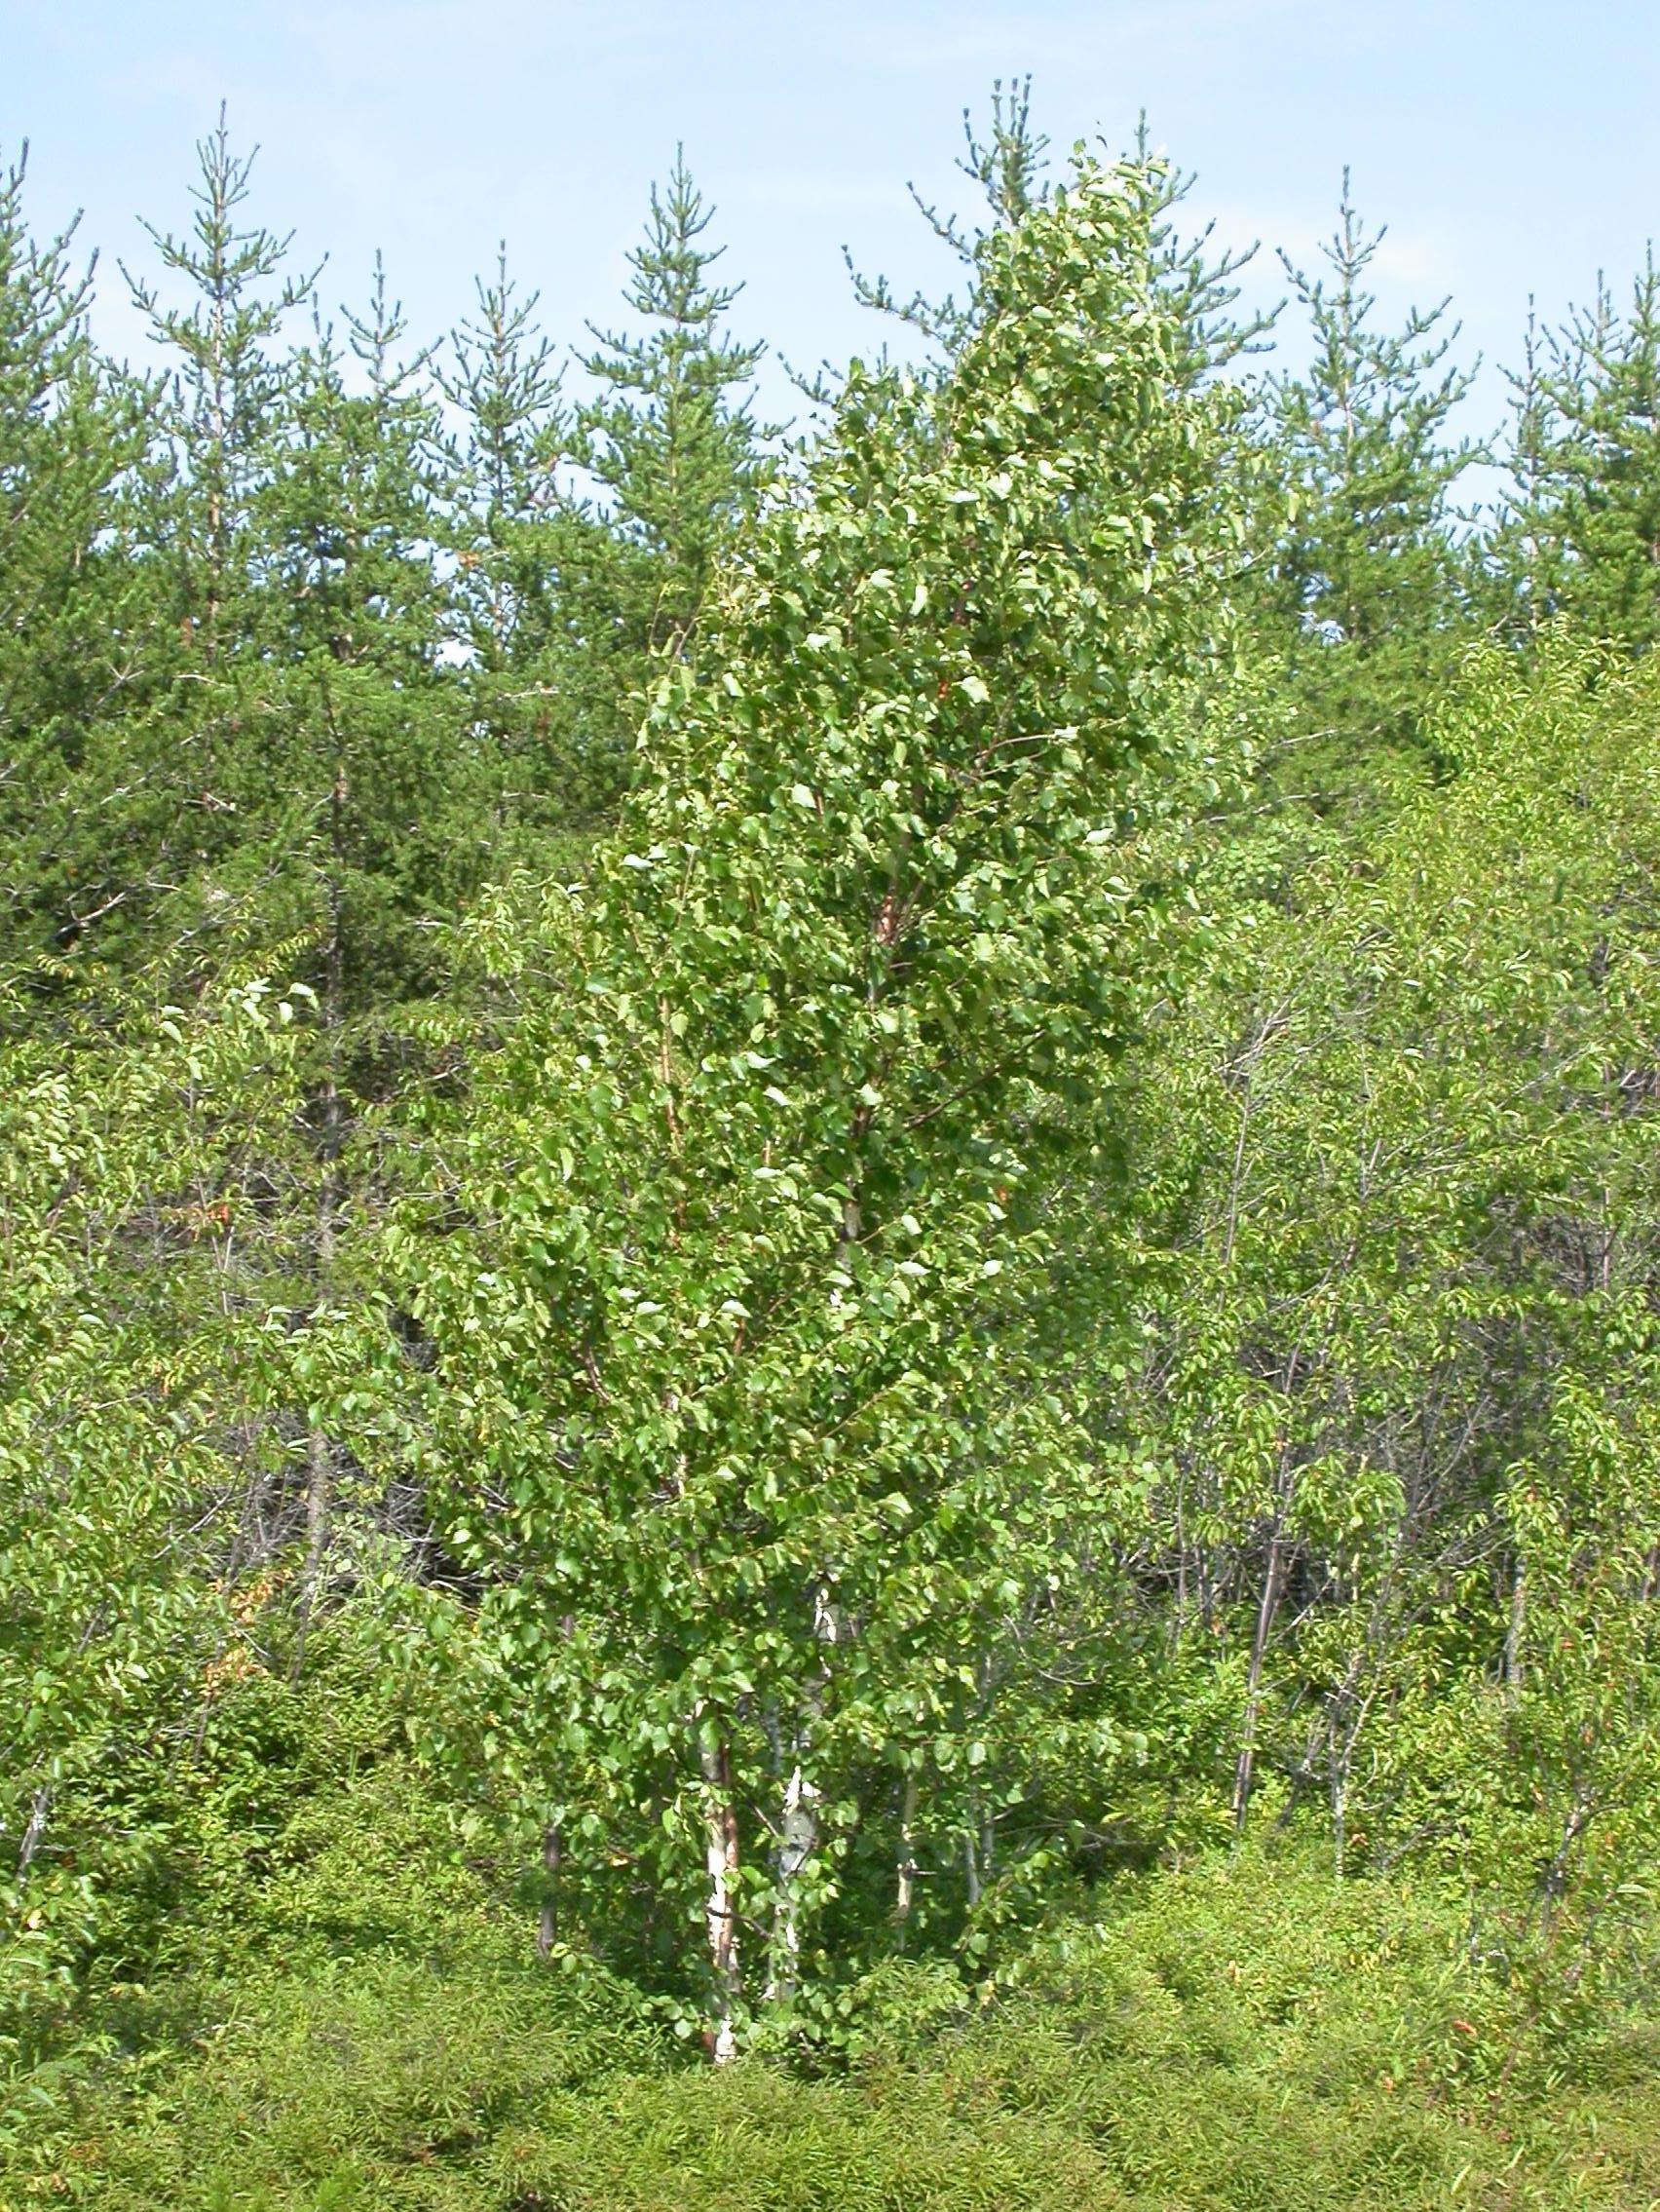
905, 1895
798, 1825
1254, 1681
321, 1457
40, 1808
972, 1858
547, 1926
798, 1840
721, 1912
1514, 1634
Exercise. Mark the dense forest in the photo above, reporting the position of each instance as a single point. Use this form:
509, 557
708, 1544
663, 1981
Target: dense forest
834, 1247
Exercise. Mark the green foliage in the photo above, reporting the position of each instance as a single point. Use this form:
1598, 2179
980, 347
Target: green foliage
1232, 2039
1399, 1240
735, 1393
1580, 531
587, 537
928, 1303
72, 607
1353, 561
672, 452
114, 1427
534, 604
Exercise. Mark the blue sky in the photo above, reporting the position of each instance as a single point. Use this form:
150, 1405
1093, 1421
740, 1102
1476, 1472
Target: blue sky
1512, 149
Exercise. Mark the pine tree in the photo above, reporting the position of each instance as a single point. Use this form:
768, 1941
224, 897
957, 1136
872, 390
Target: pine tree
534, 606
311, 732
1518, 560
72, 601
1007, 165
361, 786
227, 387
508, 389
671, 441
1007, 160
370, 824
1581, 536
312, 724
1357, 569
128, 809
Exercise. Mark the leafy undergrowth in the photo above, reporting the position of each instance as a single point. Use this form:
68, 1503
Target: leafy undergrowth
1240, 2036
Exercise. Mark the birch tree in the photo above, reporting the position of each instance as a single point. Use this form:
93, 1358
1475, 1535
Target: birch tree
739, 1398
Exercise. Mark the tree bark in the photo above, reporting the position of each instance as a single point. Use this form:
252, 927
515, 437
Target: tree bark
798, 1824
548, 1926
906, 1889
721, 1857
40, 1808
798, 1840
1514, 1635
1266, 1611
321, 1462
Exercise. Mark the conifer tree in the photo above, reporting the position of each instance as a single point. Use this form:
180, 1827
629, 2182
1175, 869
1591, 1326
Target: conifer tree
366, 784
1007, 160
379, 792
504, 383
72, 601
308, 711
127, 819
227, 386
671, 441
1355, 566
1581, 536
311, 724
534, 608
1008, 166
568, 601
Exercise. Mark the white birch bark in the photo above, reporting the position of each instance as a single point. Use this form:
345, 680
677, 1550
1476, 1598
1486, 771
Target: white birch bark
721, 1858
798, 1823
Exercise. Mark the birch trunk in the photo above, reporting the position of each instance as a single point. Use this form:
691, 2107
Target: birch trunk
798, 1840
721, 1858
1515, 1636
906, 1889
798, 1823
